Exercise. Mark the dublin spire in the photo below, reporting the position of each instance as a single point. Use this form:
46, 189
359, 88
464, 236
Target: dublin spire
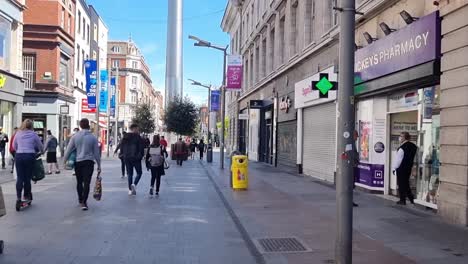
174, 86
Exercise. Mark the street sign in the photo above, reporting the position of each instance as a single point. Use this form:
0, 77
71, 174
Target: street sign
244, 116
64, 109
256, 104
285, 104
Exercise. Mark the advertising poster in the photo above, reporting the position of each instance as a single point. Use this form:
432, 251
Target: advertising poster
91, 82
112, 100
103, 92
234, 73
215, 101
365, 133
85, 107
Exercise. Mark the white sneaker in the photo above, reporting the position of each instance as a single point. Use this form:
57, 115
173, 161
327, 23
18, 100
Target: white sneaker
130, 192
133, 189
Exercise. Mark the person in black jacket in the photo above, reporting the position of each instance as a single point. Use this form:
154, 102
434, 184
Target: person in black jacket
403, 167
3, 141
201, 148
133, 151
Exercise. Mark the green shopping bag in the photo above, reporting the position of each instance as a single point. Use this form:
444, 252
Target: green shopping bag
38, 171
70, 164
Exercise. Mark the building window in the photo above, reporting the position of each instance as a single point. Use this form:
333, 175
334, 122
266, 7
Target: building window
69, 25
78, 59
79, 19
29, 70
64, 74
134, 65
84, 31
82, 64
294, 33
94, 55
134, 80
308, 26
95, 33
62, 18
334, 13
264, 55
115, 63
257, 64
87, 33
271, 54
5, 43
282, 36
115, 49
134, 97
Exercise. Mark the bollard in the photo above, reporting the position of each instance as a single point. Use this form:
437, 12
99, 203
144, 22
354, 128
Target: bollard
209, 153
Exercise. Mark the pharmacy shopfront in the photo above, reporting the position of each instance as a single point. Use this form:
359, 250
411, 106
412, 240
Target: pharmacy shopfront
397, 89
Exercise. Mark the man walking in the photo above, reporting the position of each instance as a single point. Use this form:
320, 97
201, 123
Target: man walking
133, 151
51, 148
87, 152
3, 141
403, 167
180, 148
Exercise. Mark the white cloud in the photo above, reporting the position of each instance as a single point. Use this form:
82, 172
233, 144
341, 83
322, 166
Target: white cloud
149, 48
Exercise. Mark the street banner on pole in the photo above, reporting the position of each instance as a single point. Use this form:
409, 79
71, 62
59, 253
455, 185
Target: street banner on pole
85, 107
103, 92
215, 100
91, 82
234, 73
112, 100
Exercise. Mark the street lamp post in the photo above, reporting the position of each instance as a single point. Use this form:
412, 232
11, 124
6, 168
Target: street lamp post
209, 104
207, 44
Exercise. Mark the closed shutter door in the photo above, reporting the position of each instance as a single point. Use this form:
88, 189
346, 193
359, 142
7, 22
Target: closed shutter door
287, 135
319, 141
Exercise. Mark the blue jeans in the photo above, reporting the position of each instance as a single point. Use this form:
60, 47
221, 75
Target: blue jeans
24, 169
130, 164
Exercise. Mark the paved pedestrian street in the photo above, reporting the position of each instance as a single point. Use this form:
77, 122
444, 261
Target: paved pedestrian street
188, 223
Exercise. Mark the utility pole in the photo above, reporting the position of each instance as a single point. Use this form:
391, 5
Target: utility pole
345, 137
223, 109
117, 98
98, 92
109, 95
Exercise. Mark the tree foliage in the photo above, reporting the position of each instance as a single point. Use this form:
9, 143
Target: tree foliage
145, 118
181, 117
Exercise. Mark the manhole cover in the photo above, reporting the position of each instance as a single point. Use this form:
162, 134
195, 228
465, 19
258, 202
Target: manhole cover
281, 245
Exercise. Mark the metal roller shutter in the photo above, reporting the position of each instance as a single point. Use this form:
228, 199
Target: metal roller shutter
319, 159
287, 136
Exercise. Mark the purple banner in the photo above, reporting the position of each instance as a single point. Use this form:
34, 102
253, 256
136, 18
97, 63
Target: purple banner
234, 73
371, 175
412, 45
215, 101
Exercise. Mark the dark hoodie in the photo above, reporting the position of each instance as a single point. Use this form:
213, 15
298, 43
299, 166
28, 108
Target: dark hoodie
132, 147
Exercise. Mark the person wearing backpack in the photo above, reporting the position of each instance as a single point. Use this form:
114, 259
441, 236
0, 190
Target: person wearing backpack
26, 145
155, 158
51, 148
133, 151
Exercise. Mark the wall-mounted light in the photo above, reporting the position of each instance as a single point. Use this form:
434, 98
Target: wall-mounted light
407, 17
386, 29
356, 47
368, 38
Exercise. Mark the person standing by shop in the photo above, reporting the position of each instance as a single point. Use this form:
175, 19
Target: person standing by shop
12, 149
133, 152
201, 148
87, 152
180, 149
3, 141
51, 148
155, 157
27, 145
403, 167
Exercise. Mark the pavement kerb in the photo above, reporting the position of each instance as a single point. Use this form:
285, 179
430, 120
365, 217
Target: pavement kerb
240, 227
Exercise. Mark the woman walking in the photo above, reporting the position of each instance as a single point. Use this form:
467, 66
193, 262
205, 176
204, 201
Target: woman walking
155, 157
27, 145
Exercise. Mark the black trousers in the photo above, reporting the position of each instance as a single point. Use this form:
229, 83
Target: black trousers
404, 189
24, 172
156, 177
180, 159
122, 166
84, 172
201, 154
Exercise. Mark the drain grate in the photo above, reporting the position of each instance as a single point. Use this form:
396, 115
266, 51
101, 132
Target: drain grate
281, 245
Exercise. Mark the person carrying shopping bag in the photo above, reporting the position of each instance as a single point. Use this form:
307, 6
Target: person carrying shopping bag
155, 161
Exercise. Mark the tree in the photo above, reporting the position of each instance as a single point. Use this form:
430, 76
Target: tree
145, 118
181, 117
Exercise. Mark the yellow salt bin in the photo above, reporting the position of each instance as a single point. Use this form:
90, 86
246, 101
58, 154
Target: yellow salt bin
240, 172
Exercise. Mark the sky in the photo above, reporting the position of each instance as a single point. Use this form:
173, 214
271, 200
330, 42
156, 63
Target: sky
146, 22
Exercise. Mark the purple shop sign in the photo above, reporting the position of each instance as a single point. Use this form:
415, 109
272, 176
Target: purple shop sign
234, 73
412, 45
371, 175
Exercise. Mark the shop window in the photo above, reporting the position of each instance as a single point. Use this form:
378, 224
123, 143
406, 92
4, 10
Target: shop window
5, 43
64, 72
29, 70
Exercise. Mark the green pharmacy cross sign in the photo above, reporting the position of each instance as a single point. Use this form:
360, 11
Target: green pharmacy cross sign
324, 85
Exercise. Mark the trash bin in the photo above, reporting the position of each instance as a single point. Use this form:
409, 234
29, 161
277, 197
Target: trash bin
240, 172
209, 153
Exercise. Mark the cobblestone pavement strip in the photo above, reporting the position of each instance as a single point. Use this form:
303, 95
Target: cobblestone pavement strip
188, 223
